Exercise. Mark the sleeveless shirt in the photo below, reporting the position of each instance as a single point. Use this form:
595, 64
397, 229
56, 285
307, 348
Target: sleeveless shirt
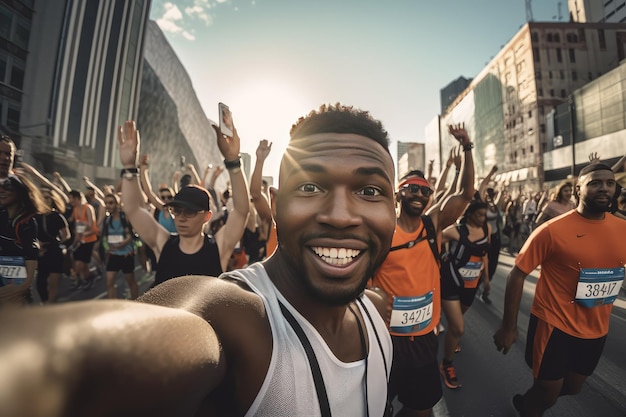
175, 263
288, 389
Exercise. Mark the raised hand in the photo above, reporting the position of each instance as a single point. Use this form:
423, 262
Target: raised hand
129, 142
229, 147
594, 158
459, 132
264, 149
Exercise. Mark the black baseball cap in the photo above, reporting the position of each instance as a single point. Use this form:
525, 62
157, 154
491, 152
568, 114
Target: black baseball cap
192, 197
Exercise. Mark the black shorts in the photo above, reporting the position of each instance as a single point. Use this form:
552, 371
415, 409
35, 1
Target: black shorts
51, 262
83, 252
415, 375
124, 263
451, 291
552, 353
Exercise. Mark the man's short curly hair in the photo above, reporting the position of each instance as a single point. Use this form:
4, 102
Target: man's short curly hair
338, 118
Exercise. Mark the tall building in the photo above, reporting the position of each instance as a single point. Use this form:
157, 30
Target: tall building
170, 118
410, 156
16, 19
451, 91
587, 11
81, 80
505, 106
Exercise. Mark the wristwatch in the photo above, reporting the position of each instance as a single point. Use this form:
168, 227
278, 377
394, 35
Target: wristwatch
129, 173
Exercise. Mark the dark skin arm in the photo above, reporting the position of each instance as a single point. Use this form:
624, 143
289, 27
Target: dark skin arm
119, 358
506, 335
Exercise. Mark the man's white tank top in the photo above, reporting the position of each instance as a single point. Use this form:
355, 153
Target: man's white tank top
288, 389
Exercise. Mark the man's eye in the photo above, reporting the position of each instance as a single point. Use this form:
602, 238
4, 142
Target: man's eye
309, 188
370, 191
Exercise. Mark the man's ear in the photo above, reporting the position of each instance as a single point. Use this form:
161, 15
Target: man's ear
208, 216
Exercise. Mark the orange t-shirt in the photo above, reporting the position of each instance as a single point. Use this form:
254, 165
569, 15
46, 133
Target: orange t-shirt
411, 276
80, 217
563, 247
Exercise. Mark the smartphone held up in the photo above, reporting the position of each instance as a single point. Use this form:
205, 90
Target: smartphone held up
226, 120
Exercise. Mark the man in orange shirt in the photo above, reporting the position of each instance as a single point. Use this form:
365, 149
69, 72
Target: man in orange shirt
582, 255
410, 277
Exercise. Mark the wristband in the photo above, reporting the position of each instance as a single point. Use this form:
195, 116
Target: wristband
468, 147
129, 172
233, 164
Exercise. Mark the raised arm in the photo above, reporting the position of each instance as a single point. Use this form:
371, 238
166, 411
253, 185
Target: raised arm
261, 204
118, 359
228, 236
62, 183
38, 176
194, 175
447, 211
145, 225
97, 190
144, 180
484, 184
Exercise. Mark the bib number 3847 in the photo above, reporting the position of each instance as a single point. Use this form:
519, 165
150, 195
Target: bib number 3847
598, 287
411, 314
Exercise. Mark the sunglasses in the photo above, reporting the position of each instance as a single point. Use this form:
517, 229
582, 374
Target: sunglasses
414, 188
166, 197
183, 212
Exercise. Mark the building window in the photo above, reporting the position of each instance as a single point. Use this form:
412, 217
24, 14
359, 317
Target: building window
563, 93
541, 110
535, 37
523, 151
559, 57
6, 18
532, 149
542, 128
536, 54
562, 74
549, 37
3, 67
17, 75
572, 55
13, 117
550, 74
602, 39
552, 92
540, 93
537, 75
557, 38
530, 114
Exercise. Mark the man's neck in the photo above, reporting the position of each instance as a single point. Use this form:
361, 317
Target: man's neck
191, 244
409, 223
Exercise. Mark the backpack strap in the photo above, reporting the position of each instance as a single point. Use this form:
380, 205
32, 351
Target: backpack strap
431, 235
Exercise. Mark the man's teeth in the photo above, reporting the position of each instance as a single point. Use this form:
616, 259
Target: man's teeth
336, 256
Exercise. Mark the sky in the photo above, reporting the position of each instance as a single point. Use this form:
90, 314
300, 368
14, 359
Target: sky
273, 61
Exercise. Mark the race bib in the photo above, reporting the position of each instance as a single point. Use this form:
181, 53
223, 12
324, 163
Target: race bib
115, 239
598, 287
411, 314
471, 270
81, 227
12, 269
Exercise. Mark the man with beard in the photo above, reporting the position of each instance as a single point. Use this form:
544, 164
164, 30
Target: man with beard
410, 277
582, 255
289, 336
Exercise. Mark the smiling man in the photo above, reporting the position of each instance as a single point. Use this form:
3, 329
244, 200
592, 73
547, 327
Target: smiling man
582, 255
294, 335
410, 276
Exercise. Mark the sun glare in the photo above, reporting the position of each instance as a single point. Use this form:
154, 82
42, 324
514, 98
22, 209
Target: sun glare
265, 109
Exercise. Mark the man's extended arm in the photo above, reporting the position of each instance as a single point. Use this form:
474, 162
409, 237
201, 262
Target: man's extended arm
261, 204
108, 357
